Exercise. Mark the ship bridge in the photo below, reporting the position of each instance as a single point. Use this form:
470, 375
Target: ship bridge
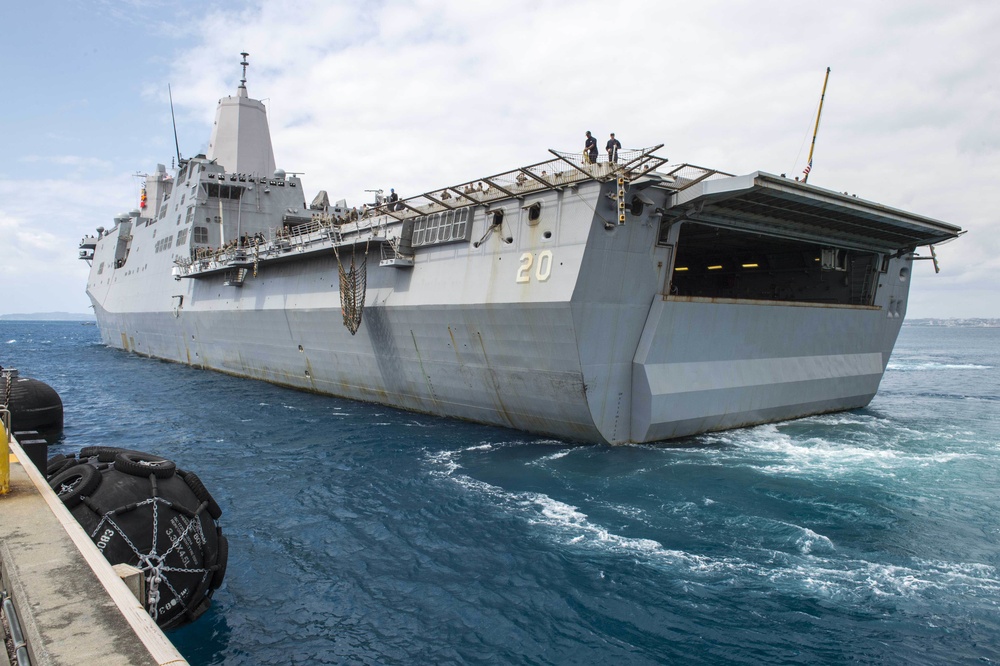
781, 208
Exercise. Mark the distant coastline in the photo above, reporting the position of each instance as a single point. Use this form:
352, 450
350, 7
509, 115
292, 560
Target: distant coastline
49, 316
966, 323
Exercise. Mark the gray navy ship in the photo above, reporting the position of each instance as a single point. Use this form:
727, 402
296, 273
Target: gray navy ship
620, 300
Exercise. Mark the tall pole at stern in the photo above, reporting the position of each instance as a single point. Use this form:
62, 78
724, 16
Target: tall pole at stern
809, 166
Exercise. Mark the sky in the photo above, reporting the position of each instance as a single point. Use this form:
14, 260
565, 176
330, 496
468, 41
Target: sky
421, 94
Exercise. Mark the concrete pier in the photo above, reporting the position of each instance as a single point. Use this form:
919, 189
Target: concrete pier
73, 608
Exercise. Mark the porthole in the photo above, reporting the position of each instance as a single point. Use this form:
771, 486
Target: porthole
300, 348
547, 235
904, 273
636, 206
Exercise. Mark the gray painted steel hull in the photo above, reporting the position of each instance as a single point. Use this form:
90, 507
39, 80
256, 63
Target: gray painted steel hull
603, 302
612, 360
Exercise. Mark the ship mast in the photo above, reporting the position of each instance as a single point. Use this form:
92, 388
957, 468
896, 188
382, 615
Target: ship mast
173, 119
805, 173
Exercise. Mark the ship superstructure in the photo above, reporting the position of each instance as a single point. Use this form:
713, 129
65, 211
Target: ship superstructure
627, 301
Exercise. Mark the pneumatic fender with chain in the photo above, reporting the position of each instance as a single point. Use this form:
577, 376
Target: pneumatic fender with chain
139, 509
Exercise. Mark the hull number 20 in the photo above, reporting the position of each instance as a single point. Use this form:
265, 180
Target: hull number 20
543, 266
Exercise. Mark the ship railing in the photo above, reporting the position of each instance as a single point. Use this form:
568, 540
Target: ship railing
565, 170
627, 163
685, 175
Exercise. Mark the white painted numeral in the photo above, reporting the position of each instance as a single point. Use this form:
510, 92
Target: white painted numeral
523, 272
542, 270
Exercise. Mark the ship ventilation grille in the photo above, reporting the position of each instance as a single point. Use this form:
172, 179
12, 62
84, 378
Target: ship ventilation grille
353, 285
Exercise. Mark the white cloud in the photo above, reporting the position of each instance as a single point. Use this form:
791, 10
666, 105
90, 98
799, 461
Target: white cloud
417, 95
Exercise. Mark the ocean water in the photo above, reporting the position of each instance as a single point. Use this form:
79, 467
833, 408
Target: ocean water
364, 535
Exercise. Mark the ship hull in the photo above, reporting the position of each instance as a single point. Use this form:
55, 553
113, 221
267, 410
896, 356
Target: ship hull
697, 365
590, 302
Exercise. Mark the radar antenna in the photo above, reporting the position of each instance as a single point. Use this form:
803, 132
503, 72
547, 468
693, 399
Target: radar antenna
243, 81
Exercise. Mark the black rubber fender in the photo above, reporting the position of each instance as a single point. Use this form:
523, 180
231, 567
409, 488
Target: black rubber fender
34, 405
192, 614
104, 454
144, 464
73, 483
58, 463
201, 492
222, 561
146, 505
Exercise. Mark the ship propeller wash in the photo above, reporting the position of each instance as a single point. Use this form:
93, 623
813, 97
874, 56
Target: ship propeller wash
632, 301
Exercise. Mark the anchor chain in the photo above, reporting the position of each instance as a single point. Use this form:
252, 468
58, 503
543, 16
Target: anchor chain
7, 389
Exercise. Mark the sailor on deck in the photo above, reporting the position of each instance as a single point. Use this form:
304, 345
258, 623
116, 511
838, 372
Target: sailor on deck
613, 146
590, 149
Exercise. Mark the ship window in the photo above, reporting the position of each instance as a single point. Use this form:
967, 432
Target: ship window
446, 227
201, 235
164, 243
190, 215
636, 206
182, 236
433, 226
224, 191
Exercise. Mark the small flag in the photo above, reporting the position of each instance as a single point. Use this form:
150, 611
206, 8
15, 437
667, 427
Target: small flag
805, 172
142, 198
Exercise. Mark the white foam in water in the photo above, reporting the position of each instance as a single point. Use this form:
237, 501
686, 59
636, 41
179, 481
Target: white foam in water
567, 522
814, 568
552, 456
480, 447
445, 460
782, 454
856, 581
810, 540
932, 365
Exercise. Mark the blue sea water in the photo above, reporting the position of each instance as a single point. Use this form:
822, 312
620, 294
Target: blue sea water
364, 535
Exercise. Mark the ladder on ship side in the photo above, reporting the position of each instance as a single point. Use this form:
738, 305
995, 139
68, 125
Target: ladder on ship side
235, 278
391, 256
862, 281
